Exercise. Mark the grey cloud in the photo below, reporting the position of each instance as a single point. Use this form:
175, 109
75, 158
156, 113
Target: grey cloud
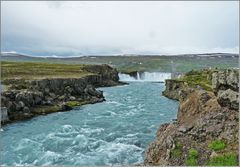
119, 27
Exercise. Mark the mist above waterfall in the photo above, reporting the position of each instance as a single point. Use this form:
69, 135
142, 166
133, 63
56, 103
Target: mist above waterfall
146, 77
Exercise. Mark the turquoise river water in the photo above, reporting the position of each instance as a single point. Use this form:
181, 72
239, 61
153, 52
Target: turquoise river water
115, 132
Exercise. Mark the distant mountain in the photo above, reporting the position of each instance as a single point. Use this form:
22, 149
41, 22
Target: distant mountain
11, 55
18, 57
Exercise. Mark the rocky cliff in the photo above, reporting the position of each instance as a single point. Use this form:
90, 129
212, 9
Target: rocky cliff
225, 85
27, 98
206, 130
173, 88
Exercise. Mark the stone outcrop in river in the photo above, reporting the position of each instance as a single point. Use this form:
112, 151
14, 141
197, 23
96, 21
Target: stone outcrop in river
27, 98
206, 131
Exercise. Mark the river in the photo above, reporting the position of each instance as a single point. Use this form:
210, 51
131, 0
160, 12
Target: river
114, 132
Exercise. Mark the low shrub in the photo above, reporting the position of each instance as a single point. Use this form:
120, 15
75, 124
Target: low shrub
217, 145
192, 157
228, 159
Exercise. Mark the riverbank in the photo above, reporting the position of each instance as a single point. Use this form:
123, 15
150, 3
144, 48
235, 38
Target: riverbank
206, 130
32, 89
111, 133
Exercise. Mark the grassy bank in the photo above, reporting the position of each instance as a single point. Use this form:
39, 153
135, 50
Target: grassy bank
38, 70
202, 78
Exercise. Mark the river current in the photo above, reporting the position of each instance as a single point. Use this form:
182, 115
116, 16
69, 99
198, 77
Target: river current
114, 132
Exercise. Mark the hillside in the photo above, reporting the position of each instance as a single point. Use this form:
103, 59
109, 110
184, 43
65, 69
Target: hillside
127, 63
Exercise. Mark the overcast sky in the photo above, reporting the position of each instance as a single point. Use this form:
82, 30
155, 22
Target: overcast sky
105, 28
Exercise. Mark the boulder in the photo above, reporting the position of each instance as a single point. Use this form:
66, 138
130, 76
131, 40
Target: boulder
19, 105
11, 106
26, 97
225, 79
72, 98
173, 88
228, 98
26, 110
92, 91
225, 84
38, 98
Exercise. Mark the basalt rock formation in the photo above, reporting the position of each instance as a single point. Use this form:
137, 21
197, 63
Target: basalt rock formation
107, 76
225, 85
173, 88
27, 98
206, 130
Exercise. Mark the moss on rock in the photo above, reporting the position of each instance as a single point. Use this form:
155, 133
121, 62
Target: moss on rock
200, 78
76, 103
46, 109
192, 157
177, 151
217, 145
227, 159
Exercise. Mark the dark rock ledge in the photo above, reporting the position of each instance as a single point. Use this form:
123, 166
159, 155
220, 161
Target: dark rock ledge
28, 98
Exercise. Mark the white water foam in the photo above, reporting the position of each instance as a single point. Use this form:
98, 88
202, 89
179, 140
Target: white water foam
146, 77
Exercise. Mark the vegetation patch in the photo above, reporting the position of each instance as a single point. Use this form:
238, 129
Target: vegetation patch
191, 162
217, 145
193, 153
200, 78
75, 103
177, 151
192, 157
39, 70
46, 109
228, 159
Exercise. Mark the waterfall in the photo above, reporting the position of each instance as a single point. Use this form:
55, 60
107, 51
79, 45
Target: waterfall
146, 77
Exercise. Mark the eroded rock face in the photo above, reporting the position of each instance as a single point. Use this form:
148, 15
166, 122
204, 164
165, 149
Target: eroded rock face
225, 84
173, 88
200, 120
226, 79
196, 102
108, 76
48, 92
51, 95
203, 117
228, 98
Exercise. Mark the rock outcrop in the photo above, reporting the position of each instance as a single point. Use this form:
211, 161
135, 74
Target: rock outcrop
225, 85
206, 130
173, 88
108, 76
27, 98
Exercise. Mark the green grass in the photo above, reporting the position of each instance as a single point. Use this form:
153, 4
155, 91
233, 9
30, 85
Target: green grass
38, 70
191, 162
217, 145
193, 153
201, 78
192, 157
177, 151
75, 103
228, 159
143, 63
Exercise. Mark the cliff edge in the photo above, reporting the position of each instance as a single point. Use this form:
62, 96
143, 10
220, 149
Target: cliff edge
207, 128
40, 88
